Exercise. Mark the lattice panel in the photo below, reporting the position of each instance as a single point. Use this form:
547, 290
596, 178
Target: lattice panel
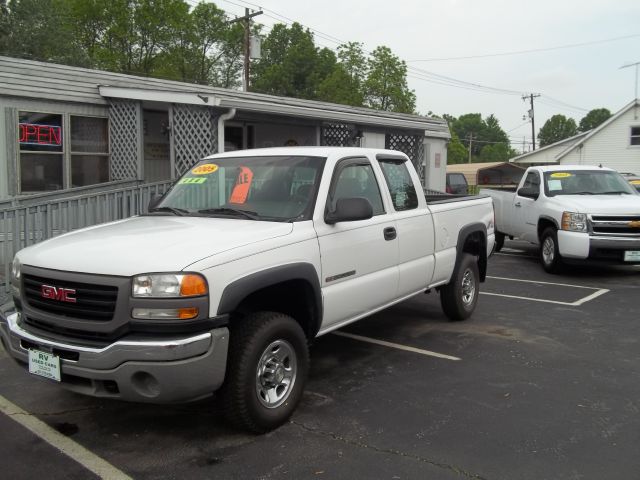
338, 135
195, 135
411, 145
124, 138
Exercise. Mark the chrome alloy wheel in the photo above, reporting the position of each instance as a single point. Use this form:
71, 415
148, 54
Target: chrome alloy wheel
276, 374
548, 250
468, 287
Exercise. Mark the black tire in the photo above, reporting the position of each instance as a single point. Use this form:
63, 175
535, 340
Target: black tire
549, 252
499, 242
459, 297
253, 341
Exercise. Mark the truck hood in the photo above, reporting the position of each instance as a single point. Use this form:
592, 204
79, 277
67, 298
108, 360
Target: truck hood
600, 204
148, 244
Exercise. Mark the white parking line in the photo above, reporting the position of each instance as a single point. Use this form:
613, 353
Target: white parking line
598, 292
67, 446
397, 346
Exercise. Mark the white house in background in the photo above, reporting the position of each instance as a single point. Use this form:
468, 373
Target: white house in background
614, 144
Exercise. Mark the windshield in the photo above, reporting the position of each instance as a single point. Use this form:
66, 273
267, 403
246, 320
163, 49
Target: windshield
275, 188
585, 182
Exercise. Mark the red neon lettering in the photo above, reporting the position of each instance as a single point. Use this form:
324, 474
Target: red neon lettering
50, 135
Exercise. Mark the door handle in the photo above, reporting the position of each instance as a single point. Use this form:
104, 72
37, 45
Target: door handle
518, 204
389, 233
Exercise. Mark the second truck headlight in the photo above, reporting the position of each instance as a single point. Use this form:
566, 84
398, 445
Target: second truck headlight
169, 285
574, 222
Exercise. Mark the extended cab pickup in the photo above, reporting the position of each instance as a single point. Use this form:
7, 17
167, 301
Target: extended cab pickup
247, 258
573, 213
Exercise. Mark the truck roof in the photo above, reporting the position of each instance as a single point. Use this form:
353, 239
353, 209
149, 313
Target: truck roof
563, 168
310, 151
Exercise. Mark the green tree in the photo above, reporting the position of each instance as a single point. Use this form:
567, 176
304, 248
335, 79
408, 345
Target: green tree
593, 119
496, 152
41, 30
345, 83
555, 129
291, 64
386, 84
456, 151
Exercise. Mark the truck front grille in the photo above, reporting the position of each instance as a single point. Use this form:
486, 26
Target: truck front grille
92, 301
616, 225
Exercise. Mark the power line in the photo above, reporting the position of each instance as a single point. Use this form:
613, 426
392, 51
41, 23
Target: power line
533, 50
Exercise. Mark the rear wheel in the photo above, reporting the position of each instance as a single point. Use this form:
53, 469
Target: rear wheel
267, 368
459, 297
549, 251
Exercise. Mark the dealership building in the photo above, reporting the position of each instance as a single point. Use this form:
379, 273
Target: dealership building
67, 130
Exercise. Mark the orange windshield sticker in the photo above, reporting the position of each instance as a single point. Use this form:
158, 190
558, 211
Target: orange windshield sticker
205, 169
241, 188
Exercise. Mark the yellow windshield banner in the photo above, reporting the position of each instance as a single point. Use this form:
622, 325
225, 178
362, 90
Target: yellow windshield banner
561, 175
205, 169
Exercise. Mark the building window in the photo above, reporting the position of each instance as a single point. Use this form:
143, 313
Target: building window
41, 151
89, 151
51, 158
635, 135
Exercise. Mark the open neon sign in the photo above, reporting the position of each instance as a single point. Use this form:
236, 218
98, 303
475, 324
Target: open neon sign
43, 135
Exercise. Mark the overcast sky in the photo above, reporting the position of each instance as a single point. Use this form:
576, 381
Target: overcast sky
585, 77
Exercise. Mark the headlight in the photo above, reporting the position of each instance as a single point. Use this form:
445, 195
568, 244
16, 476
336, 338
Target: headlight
574, 222
16, 268
167, 285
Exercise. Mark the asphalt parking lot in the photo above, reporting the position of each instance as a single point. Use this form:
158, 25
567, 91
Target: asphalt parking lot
542, 383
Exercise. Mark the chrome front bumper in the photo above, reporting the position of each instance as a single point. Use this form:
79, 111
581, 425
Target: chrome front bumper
154, 371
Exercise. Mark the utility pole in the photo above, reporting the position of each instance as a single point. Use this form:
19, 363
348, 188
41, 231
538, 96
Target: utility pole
470, 138
531, 96
246, 20
633, 65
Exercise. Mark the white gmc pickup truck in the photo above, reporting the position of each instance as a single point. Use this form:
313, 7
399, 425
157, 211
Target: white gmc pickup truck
573, 213
223, 284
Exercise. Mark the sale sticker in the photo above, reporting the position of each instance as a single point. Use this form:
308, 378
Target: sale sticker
561, 175
205, 169
241, 188
635, 182
192, 181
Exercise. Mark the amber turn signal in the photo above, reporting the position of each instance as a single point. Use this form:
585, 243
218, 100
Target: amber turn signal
193, 285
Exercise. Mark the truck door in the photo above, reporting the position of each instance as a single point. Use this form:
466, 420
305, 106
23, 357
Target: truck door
525, 211
414, 223
359, 258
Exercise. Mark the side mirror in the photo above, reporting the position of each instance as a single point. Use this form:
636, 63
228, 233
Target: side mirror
154, 201
350, 210
529, 192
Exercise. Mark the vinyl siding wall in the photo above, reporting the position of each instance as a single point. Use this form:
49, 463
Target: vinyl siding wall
610, 147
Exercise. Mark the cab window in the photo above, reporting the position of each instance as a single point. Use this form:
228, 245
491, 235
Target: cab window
403, 192
357, 180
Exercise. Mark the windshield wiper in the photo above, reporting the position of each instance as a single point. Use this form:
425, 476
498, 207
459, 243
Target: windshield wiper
181, 212
232, 211
581, 193
614, 192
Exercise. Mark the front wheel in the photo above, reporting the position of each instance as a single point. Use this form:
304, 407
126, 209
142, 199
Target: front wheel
267, 368
459, 297
549, 251
499, 243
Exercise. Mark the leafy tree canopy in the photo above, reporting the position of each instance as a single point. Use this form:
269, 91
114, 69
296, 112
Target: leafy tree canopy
593, 119
557, 128
488, 137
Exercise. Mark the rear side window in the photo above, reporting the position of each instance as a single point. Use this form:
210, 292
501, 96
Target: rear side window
457, 179
403, 192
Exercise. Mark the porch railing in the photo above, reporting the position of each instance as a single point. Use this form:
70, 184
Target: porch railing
24, 225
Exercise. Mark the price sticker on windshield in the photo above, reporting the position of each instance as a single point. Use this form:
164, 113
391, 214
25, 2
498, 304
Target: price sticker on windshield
561, 175
192, 181
635, 182
205, 169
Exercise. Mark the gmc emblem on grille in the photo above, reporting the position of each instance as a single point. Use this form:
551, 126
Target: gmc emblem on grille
58, 293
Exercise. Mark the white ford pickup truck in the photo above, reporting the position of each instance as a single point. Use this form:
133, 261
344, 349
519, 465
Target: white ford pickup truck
573, 213
223, 284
